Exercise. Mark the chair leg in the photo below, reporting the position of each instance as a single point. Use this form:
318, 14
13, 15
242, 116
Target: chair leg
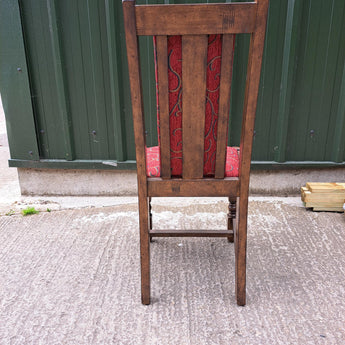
240, 250
231, 217
144, 249
150, 214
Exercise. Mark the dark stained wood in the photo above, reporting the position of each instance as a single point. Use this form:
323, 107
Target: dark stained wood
196, 187
224, 103
139, 135
231, 217
163, 96
249, 110
189, 233
196, 19
150, 214
194, 61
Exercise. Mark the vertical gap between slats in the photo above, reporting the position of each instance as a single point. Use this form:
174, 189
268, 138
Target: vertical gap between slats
224, 102
194, 61
163, 98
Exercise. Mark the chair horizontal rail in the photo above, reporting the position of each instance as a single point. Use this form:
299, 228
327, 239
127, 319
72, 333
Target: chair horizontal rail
191, 233
195, 187
195, 19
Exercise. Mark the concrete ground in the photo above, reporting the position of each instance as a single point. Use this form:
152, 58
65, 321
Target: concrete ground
71, 275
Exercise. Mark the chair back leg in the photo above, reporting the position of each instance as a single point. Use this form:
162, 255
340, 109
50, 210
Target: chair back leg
231, 218
144, 224
241, 250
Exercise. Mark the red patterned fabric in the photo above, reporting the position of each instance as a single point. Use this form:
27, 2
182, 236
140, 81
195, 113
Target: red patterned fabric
232, 162
156, 78
214, 53
153, 162
175, 102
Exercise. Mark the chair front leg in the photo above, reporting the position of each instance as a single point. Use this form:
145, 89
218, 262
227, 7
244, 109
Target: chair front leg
150, 215
231, 218
144, 249
241, 250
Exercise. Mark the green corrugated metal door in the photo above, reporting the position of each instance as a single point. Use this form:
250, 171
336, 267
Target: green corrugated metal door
76, 61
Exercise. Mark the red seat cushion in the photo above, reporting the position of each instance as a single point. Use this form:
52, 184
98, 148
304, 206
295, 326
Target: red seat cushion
153, 162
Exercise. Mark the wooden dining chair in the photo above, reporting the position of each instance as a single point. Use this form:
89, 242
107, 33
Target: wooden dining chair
194, 45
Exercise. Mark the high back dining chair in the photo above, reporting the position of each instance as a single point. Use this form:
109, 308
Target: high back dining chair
197, 34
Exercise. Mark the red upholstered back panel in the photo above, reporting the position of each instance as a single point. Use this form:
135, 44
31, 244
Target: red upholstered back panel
175, 102
214, 53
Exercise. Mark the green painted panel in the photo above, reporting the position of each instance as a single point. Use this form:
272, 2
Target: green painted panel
77, 64
85, 66
267, 107
316, 90
14, 84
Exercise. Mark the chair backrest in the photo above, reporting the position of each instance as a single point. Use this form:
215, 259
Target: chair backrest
198, 86
175, 88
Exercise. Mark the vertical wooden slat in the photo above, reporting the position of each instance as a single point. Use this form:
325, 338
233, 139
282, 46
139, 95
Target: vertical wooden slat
224, 103
139, 134
194, 58
163, 97
60, 82
252, 87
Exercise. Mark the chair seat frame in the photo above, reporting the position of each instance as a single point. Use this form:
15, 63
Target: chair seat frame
194, 22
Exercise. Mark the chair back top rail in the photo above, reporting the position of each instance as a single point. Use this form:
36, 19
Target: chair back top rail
194, 19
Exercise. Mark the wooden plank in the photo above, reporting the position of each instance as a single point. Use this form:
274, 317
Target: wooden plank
224, 103
139, 135
193, 19
190, 233
163, 97
329, 209
324, 204
196, 187
135, 86
249, 111
324, 197
320, 187
194, 62
304, 190
304, 195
